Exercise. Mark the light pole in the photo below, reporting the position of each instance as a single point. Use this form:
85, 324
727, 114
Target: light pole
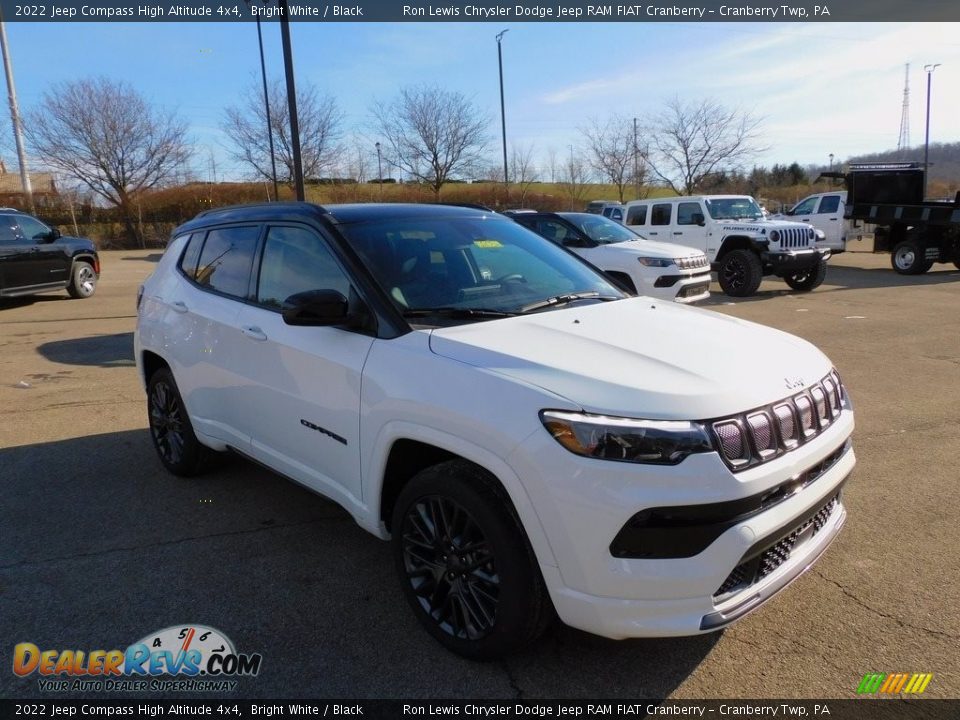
830, 180
926, 141
503, 113
379, 169
291, 98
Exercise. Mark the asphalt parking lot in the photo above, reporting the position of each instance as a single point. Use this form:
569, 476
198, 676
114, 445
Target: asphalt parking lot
99, 546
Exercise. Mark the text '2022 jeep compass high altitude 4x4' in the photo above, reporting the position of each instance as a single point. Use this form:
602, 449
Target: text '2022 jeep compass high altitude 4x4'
530, 439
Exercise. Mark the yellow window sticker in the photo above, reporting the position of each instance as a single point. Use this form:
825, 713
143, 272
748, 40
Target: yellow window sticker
488, 243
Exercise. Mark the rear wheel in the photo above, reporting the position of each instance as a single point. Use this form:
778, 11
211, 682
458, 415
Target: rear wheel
908, 258
170, 429
465, 564
808, 279
83, 281
740, 273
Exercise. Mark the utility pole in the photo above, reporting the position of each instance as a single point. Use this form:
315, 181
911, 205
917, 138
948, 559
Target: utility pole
636, 165
926, 141
503, 115
291, 99
15, 118
266, 105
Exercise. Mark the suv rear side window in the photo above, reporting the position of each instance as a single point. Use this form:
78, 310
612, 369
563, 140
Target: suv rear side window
294, 260
227, 258
636, 215
660, 214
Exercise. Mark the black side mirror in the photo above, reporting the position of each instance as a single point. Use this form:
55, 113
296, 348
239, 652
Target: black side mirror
315, 308
699, 219
55, 234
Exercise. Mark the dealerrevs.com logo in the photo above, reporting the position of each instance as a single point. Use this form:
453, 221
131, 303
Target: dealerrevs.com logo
178, 658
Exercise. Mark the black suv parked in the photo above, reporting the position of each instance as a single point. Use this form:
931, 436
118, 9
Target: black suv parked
36, 258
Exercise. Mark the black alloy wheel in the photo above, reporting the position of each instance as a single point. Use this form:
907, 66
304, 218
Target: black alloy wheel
465, 564
451, 567
170, 429
740, 273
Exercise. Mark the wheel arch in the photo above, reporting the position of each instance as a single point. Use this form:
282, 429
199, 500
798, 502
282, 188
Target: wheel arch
410, 449
151, 362
736, 242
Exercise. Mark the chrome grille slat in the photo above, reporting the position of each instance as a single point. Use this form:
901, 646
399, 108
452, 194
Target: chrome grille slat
753, 437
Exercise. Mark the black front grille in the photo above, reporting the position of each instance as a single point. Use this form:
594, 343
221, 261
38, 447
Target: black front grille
758, 566
765, 433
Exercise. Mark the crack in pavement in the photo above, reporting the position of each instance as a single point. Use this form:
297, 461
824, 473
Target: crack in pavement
165, 543
898, 621
517, 690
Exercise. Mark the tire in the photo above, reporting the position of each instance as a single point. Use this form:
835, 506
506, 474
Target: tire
908, 258
170, 429
740, 273
83, 280
808, 279
465, 564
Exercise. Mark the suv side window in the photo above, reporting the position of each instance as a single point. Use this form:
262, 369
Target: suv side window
227, 258
295, 260
829, 204
686, 211
32, 229
636, 215
660, 214
8, 230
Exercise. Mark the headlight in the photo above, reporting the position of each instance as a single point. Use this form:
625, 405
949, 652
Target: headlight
774, 236
655, 262
812, 234
657, 442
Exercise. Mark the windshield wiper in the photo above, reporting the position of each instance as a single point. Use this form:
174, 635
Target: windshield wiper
457, 313
558, 300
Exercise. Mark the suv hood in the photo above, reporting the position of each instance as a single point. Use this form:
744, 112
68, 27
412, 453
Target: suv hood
652, 248
641, 358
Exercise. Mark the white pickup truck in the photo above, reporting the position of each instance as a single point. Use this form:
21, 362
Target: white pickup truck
824, 212
741, 245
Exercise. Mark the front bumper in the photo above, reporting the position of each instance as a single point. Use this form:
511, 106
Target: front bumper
783, 262
688, 287
583, 503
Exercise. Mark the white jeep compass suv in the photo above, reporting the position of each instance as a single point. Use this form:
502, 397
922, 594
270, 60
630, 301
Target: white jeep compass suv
530, 440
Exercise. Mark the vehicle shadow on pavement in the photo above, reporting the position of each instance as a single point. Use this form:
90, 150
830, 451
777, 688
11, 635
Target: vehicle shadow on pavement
152, 257
101, 546
10, 303
101, 350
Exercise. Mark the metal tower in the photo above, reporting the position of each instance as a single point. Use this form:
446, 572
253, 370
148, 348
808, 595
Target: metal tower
903, 144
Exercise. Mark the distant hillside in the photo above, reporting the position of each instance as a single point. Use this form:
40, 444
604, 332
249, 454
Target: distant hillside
944, 160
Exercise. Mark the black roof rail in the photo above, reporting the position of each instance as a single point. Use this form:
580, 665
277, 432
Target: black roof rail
250, 206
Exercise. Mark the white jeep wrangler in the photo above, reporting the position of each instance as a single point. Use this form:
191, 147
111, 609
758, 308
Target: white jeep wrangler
741, 245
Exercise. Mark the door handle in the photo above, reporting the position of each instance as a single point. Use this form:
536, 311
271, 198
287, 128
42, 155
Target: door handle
678, 233
179, 306
254, 333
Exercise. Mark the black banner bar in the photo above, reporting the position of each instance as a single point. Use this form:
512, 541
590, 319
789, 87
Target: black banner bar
794, 11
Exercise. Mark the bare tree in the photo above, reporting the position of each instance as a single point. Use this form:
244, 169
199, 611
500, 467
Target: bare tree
433, 133
690, 141
574, 176
552, 163
522, 169
613, 152
105, 135
319, 120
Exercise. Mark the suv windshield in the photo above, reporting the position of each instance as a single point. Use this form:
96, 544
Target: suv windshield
742, 208
468, 268
600, 229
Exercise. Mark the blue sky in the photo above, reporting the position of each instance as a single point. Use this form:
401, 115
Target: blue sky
820, 88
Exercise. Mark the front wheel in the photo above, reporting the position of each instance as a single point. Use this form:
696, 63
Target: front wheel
465, 564
808, 279
83, 281
908, 258
740, 273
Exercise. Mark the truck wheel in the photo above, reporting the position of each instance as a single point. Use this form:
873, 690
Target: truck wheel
808, 279
465, 564
908, 258
170, 429
83, 281
740, 273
